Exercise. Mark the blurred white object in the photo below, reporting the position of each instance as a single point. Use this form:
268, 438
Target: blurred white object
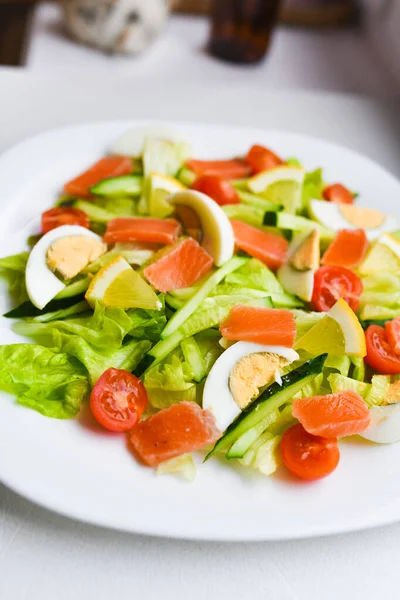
118, 26
382, 18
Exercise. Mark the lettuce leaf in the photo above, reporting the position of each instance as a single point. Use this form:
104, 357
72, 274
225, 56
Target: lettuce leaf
105, 328
12, 269
340, 383
96, 362
45, 381
147, 324
263, 454
254, 274
313, 186
181, 465
170, 382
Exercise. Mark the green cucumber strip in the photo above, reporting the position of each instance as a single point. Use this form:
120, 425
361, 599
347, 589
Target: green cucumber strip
239, 184
284, 220
187, 177
240, 447
270, 400
194, 358
259, 202
130, 185
253, 215
27, 309
74, 289
184, 313
94, 212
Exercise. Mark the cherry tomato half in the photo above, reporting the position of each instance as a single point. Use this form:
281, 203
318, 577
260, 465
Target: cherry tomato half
220, 190
380, 355
334, 282
261, 159
392, 329
308, 456
338, 193
64, 215
118, 400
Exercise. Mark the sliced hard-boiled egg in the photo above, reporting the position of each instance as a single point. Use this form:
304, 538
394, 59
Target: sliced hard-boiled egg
131, 142
348, 216
218, 239
297, 275
237, 375
67, 250
385, 425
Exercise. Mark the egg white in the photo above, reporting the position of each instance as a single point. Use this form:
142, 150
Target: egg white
385, 425
217, 397
41, 283
328, 214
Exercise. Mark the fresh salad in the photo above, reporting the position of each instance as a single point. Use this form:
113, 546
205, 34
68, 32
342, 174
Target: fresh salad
242, 306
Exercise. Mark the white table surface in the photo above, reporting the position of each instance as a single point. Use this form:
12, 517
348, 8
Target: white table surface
44, 556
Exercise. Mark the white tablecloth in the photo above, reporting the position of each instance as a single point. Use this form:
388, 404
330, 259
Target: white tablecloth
44, 556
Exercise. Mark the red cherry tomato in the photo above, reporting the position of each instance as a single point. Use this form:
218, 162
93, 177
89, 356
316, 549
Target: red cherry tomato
217, 188
308, 456
334, 282
261, 159
64, 215
338, 193
392, 329
118, 400
380, 355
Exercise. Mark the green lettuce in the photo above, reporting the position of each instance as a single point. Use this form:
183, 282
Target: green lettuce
127, 356
340, 383
263, 454
252, 215
313, 187
43, 380
254, 274
147, 324
106, 328
12, 269
170, 382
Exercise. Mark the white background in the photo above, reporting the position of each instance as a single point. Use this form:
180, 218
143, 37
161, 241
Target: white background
46, 557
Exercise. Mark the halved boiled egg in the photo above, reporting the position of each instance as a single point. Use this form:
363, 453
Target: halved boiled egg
66, 250
237, 376
218, 239
385, 424
348, 216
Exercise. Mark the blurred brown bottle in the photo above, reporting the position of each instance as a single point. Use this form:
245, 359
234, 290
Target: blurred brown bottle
241, 29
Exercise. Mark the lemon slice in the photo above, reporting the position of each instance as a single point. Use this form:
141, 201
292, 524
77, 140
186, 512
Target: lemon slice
384, 255
338, 332
282, 185
218, 239
117, 284
162, 186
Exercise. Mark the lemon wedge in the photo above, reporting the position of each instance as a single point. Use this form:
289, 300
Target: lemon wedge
384, 254
218, 239
282, 185
162, 186
338, 332
117, 284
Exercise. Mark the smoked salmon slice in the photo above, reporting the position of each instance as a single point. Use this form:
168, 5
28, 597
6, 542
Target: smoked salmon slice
333, 415
268, 247
347, 249
142, 229
185, 264
181, 428
234, 168
111, 166
269, 326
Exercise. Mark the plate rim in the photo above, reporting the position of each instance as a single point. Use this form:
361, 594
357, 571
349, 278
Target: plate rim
367, 520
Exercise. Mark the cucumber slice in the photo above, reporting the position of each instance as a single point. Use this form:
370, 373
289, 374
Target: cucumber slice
74, 289
130, 185
193, 357
240, 447
252, 215
187, 177
184, 313
27, 309
257, 201
284, 220
270, 400
94, 212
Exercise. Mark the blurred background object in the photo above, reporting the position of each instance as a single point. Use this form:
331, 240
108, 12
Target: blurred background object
117, 26
241, 29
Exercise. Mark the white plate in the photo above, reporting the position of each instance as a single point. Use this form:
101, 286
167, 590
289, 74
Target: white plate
73, 468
